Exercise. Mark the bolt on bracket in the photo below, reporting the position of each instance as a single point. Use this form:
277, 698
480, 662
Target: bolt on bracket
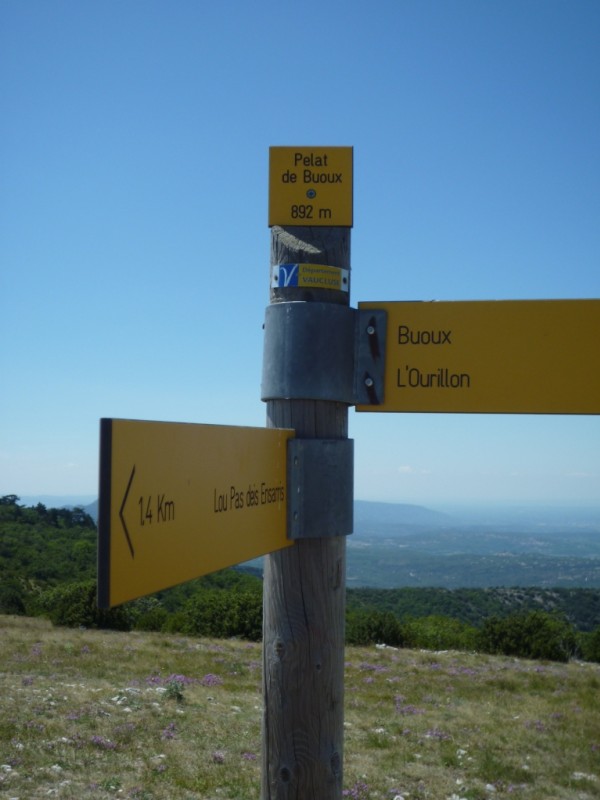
369, 371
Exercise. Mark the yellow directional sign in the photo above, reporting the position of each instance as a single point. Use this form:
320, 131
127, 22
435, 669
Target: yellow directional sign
310, 186
510, 356
178, 501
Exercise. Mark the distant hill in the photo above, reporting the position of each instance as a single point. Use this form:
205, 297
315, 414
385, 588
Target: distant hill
412, 546
369, 514
411, 569
404, 545
92, 510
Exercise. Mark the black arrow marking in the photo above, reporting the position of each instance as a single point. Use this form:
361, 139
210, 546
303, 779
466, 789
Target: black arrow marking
122, 509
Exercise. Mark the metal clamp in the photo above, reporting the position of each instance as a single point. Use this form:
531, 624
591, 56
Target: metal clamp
323, 351
308, 352
320, 487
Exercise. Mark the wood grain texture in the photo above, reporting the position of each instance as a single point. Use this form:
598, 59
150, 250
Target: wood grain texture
304, 588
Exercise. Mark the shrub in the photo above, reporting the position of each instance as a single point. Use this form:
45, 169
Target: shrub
436, 632
147, 614
536, 634
12, 597
373, 627
218, 613
74, 605
590, 645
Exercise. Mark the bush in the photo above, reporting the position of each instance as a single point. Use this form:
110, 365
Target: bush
373, 627
589, 644
536, 634
12, 597
74, 605
147, 614
437, 632
222, 614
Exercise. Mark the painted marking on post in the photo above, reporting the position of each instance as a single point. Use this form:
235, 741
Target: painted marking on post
311, 186
504, 357
178, 501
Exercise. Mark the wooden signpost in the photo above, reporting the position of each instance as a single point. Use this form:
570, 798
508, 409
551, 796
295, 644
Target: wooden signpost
178, 501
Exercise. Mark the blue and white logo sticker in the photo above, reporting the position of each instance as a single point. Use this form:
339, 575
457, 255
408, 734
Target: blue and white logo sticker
307, 276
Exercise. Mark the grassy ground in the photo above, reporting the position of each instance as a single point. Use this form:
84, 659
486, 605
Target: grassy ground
96, 714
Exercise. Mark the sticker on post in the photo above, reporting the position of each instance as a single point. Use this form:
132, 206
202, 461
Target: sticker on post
309, 276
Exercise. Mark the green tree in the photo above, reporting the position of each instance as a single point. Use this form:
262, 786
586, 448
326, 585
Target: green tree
369, 626
535, 634
12, 596
74, 605
590, 645
221, 613
437, 632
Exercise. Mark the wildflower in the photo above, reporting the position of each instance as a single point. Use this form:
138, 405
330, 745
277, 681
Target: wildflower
408, 710
174, 691
103, 743
249, 756
218, 757
582, 776
169, 732
211, 680
358, 792
436, 733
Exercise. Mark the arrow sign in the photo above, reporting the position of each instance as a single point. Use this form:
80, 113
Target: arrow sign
503, 357
178, 501
121, 510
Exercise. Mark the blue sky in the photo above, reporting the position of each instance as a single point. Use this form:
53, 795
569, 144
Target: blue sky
134, 247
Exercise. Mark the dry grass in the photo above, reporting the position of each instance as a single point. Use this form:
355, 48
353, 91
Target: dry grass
96, 714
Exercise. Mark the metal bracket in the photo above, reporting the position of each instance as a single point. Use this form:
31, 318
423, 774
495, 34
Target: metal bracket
323, 351
320, 487
371, 337
308, 352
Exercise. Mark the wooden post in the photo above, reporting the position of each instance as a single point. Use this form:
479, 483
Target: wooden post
305, 586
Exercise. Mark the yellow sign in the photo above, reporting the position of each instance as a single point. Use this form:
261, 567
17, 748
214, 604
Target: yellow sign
510, 356
310, 186
178, 501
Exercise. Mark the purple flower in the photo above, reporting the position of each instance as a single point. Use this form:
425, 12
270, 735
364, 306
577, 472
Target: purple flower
218, 757
169, 732
103, 743
537, 725
407, 710
360, 791
211, 680
436, 733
